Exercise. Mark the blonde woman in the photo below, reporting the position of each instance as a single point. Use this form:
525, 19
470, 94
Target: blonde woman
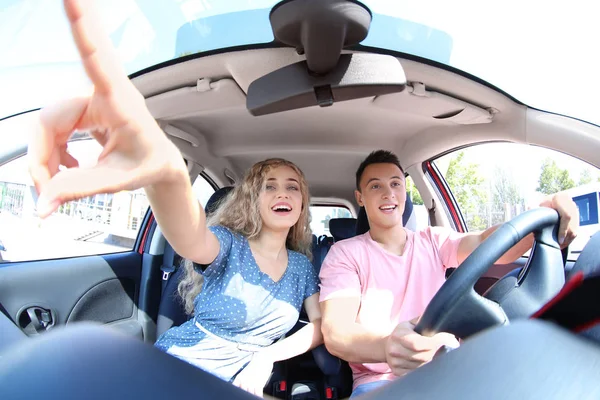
252, 258
247, 290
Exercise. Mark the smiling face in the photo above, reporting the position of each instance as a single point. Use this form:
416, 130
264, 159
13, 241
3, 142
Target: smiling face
382, 193
280, 199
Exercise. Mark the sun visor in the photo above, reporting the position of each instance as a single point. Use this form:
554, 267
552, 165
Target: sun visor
355, 76
419, 100
205, 96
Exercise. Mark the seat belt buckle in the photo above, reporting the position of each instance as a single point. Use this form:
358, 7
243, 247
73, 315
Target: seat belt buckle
167, 271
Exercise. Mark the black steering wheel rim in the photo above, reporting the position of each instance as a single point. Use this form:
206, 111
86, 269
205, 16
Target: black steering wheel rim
458, 309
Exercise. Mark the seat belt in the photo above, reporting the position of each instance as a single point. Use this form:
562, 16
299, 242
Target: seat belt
431, 212
168, 266
325, 244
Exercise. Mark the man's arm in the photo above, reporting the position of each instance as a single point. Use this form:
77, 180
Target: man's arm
345, 338
403, 349
469, 243
569, 222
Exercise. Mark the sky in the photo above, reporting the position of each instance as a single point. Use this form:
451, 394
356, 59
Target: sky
542, 53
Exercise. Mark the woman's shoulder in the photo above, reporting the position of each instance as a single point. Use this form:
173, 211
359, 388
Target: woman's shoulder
299, 260
222, 231
297, 256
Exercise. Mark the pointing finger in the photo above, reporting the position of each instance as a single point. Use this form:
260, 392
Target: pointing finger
96, 51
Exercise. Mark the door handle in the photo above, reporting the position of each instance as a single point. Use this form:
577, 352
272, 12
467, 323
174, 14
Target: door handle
40, 319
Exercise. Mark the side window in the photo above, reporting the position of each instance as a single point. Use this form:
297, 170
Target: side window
493, 183
202, 189
101, 224
320, 216
421, 215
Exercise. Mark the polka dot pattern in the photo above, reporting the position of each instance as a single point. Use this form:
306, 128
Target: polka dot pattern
240, 308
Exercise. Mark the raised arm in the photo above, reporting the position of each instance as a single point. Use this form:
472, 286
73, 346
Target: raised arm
136, 153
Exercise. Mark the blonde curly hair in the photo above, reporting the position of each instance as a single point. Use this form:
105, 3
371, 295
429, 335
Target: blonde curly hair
239, 211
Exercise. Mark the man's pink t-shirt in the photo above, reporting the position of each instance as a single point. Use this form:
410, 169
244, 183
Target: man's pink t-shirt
392, 288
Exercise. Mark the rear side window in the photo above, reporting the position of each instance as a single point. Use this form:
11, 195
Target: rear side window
202, 189
320, 216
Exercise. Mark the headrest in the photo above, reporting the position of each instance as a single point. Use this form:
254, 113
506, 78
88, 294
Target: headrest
215, 200
342, 228
362, 223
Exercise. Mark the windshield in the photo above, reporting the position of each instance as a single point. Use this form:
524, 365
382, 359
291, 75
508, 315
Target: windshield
542, 53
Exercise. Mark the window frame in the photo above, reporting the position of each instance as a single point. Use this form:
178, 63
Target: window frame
444, 193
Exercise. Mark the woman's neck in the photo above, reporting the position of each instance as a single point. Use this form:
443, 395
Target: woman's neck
270, 244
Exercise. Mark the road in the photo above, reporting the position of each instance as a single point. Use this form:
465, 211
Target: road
58, 236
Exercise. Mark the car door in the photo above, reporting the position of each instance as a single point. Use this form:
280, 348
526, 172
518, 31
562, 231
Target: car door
488, 184
84, 263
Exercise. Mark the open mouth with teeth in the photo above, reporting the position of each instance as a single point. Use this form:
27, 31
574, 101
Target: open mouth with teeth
282, 208
388, 208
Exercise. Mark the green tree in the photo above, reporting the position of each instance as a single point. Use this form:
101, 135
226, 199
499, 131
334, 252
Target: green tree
553, 179
585, 177
468, 189
413, 192
505, 193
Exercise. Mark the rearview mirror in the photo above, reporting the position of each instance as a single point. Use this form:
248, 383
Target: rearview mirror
355, 76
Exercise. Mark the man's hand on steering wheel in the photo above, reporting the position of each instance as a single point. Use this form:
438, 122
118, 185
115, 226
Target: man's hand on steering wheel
407, 350
569, 216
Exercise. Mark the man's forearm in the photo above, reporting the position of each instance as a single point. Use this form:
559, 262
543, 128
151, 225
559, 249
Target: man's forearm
356, 344
514, 252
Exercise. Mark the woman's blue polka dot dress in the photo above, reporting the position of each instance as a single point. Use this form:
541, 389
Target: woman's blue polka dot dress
240, 308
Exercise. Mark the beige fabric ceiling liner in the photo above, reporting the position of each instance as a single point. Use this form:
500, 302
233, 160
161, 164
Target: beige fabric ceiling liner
209, 96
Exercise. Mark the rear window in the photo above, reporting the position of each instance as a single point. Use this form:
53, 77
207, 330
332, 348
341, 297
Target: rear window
320, 216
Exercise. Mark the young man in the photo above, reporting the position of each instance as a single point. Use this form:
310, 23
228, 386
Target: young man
375, 286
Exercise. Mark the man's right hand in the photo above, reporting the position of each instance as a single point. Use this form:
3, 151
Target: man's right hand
407, 350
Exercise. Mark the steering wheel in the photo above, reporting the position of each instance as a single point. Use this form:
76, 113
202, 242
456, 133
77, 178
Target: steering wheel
458, 309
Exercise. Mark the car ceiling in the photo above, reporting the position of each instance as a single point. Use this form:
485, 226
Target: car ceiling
201, 104
205, 98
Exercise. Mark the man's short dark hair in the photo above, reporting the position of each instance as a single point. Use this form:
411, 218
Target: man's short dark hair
377, 157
